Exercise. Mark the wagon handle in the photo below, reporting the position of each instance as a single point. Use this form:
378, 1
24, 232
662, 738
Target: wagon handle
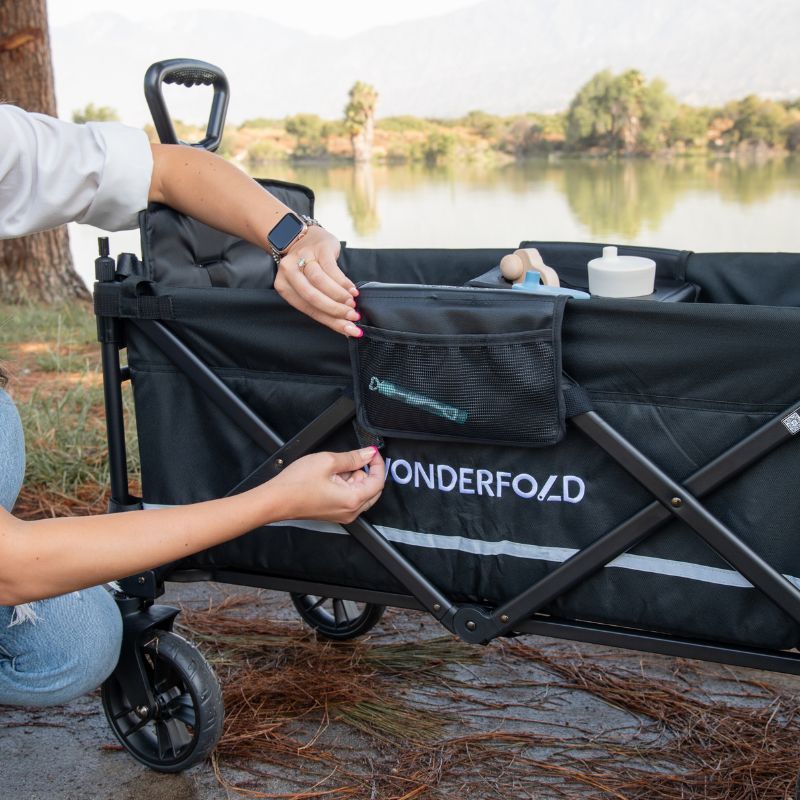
186, 72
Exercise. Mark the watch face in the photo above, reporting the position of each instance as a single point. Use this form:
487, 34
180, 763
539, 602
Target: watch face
285, 232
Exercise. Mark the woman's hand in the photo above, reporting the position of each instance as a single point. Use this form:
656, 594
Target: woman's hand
329, 486
309, 279
49, 557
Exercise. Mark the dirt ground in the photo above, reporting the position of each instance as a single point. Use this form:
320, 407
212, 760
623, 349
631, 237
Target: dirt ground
70, 752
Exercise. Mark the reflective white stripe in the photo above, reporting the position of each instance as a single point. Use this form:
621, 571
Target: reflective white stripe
534, 552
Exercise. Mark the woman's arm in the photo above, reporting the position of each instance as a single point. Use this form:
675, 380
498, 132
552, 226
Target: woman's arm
53, 556
103, 174
213, 191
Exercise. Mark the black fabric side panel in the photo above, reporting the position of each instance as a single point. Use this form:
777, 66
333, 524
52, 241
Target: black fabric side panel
433, 266
769, 279
684, 354
190, 449
243, 330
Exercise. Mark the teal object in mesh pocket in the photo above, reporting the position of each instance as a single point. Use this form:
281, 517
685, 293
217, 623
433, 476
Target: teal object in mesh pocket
393, 392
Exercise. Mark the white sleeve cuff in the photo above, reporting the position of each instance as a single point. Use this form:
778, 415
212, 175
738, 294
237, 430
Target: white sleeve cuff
124, 183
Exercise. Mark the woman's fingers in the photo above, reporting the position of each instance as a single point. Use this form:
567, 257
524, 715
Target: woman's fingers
323, 485
335, 323
320, 278
310, 279
325, 248
295, 276
327, 260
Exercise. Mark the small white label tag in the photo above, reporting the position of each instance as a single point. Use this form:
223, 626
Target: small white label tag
792, 422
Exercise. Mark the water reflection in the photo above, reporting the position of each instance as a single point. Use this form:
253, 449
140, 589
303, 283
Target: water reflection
691, 204
752, 181
619, 200
362, 200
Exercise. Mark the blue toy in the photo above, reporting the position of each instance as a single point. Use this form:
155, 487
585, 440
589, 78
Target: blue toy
533, 284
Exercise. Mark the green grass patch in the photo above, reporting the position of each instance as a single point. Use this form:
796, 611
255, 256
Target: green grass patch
66, 325
62, 412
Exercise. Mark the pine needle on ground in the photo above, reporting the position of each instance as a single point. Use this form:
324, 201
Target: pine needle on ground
314, 710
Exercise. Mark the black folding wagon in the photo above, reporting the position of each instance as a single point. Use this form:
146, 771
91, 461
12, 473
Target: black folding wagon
623, 472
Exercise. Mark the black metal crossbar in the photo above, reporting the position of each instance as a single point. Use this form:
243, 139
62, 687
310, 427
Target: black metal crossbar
638, 527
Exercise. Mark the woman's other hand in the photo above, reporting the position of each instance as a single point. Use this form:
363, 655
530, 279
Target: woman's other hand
329, 486
309, 279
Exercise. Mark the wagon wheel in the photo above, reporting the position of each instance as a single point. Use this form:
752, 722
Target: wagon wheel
186, 722
334, 618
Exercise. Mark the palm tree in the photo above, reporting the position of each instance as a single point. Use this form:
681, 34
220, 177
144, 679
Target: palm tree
359, 117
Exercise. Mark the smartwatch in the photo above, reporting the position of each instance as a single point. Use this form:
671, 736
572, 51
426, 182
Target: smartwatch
289, 229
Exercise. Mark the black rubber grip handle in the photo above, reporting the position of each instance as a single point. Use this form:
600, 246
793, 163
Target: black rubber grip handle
187, 72
192, 76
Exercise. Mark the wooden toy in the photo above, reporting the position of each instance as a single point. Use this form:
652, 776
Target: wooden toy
515, 265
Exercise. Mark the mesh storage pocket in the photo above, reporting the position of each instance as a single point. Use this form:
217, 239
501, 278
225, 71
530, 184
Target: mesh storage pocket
500, 388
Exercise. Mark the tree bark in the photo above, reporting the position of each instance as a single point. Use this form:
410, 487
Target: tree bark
37, 267
362, 141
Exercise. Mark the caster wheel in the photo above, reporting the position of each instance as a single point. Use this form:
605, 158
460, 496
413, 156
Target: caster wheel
187, 722
338, 619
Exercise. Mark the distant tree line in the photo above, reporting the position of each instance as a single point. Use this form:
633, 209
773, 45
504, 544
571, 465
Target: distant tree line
625, 114
611, 115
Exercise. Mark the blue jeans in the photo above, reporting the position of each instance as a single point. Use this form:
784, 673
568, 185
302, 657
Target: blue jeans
73, 644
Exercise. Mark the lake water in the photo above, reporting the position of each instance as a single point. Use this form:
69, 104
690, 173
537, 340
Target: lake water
719, 205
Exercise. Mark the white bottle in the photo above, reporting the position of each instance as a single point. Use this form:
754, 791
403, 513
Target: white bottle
621, 276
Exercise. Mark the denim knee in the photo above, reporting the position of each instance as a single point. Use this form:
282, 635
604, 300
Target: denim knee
71, 649
12, 452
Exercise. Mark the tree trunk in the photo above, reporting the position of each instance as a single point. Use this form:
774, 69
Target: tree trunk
37, 267
362, 140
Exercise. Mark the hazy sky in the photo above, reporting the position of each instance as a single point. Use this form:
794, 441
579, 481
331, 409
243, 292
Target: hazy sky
334, 17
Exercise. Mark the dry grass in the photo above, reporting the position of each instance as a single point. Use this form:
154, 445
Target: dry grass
316, 710
56, 381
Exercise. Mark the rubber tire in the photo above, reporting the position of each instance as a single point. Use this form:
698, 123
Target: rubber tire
196, 681
324, 623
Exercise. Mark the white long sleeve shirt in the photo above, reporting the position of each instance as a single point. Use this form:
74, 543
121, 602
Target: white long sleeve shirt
52, 172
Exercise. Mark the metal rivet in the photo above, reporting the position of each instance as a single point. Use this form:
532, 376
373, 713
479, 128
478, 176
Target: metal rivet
504, 619
437, 607
279, 462
141, 579
470, 625
676, 502
141, 711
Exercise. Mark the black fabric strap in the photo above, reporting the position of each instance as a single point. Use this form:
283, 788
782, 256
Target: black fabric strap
576, 399
131, 298
367, 439
218, 275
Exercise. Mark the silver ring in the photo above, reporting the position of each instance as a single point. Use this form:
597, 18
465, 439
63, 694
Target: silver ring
301, 264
